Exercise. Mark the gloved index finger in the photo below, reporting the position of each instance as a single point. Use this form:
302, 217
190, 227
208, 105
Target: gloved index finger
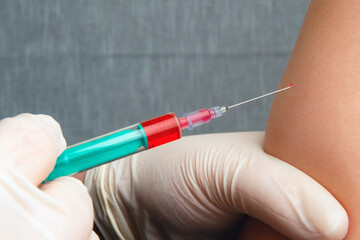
284, 197
31, 144
76, 219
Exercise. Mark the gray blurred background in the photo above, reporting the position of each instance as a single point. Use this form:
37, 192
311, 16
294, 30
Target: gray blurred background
97, 66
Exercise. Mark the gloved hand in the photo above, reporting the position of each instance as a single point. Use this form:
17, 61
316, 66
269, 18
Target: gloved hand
62, 209
199, 187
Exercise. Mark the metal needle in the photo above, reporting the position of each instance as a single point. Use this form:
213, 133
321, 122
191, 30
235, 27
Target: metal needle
253, 99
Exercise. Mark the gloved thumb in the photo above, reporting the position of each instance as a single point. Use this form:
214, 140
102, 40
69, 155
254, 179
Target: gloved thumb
31, 144
282, 196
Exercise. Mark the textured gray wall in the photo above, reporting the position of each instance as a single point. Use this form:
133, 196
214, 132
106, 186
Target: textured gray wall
100, 65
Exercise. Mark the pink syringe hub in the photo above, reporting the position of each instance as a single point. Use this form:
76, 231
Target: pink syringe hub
200, 117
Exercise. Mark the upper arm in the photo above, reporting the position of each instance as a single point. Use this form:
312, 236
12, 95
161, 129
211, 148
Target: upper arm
314, 126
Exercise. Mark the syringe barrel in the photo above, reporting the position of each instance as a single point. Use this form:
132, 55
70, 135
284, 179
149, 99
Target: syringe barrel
115, 145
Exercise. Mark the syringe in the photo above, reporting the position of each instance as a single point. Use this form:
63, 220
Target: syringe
135, 138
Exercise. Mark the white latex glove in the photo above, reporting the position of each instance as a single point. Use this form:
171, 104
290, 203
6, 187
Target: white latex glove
62, 209
200, 186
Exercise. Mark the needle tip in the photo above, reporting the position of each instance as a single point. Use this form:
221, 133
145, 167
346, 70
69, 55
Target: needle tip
291, 85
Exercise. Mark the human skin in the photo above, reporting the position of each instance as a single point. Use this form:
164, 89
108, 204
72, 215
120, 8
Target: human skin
314, 126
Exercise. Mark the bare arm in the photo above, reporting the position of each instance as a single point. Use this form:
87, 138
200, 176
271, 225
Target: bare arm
315, 126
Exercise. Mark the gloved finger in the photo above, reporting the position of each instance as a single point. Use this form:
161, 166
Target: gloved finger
282, 196
77, 215
31, 143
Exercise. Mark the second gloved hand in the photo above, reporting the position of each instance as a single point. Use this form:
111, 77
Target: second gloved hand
201, 186
61, 209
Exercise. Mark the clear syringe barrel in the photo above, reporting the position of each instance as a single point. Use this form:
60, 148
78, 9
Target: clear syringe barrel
115, 145
127, 141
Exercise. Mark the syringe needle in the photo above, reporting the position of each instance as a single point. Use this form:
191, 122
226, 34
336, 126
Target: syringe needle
202, 116
265, 95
